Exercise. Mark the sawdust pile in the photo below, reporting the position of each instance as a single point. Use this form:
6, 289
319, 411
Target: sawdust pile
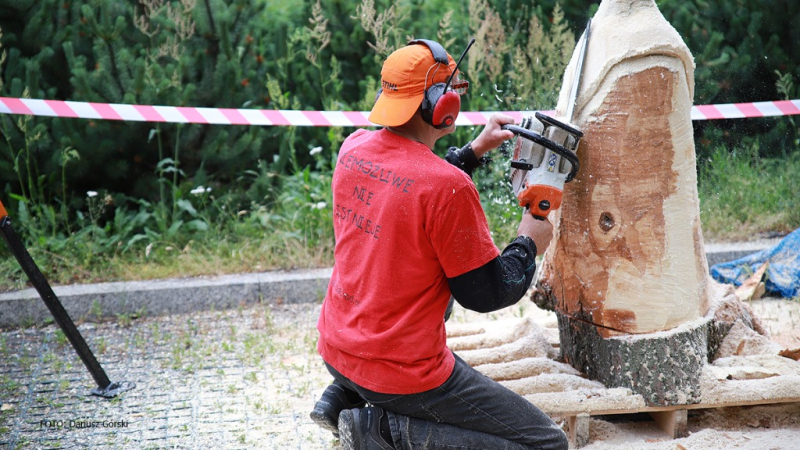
743, 340
747, 371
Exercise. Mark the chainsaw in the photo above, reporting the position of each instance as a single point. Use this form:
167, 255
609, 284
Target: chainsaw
545, 157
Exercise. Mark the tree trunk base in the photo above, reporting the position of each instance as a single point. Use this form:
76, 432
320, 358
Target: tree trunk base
663, 367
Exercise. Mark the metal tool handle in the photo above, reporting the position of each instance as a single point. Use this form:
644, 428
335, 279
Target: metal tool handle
550, 145
105, 387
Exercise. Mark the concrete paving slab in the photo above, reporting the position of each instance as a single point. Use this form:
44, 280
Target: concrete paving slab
160, 297
729, 251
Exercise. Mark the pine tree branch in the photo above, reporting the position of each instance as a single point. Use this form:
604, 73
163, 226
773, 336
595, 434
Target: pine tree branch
114, 70
210, 18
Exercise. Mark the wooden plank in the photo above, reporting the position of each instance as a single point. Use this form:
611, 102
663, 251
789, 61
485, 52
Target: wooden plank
650, 409
578, 427
674, 423
672, 419
572, 429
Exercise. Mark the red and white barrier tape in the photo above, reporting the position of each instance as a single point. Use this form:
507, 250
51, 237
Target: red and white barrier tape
743, 110
273, 117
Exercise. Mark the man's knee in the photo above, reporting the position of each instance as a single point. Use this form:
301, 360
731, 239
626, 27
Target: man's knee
559, 442
556, 440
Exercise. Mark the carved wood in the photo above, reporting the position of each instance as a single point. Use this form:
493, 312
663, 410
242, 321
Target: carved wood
627, 258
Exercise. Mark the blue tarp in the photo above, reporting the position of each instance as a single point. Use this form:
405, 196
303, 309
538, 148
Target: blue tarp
783, 270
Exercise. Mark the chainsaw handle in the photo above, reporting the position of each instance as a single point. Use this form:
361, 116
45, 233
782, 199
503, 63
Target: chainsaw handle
548, 144
544, 118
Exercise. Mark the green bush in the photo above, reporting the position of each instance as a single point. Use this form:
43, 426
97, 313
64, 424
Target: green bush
265, 197
269, 198
738, 45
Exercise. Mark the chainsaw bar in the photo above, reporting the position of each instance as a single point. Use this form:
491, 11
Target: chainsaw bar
545, 157
576, 84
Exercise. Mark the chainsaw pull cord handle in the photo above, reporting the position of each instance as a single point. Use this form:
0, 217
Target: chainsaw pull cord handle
555, 147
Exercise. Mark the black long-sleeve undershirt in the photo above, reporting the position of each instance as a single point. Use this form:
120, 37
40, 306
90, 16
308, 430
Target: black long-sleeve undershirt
499, 283
502, 281
464, 158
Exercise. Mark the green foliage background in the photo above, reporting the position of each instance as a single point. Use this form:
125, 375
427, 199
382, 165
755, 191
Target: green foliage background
262, 183
742, 48
239, 54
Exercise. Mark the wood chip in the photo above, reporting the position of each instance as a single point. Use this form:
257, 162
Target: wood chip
791, 353
753, 288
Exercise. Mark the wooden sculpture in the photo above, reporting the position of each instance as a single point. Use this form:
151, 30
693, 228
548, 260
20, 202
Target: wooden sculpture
627, 259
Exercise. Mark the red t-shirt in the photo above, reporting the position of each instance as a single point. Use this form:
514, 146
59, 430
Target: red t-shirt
404, 221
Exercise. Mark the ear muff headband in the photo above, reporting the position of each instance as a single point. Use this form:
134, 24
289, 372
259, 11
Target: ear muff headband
439, 108
438, 52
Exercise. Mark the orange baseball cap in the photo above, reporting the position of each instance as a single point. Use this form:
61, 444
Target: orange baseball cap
405, 75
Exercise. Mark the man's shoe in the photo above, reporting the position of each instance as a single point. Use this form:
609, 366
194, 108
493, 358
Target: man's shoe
359, 429
333, 401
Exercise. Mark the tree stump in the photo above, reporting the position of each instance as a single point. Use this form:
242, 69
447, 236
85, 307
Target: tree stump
627, 263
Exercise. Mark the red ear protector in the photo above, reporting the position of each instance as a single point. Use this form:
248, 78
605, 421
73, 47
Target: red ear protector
439, 106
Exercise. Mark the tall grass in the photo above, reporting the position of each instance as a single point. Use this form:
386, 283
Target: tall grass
295, 232
266, 220
744, 196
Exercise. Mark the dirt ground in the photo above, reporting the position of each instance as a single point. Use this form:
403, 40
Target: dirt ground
247, 378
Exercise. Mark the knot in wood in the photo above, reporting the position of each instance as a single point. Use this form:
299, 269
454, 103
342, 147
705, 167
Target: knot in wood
606, 221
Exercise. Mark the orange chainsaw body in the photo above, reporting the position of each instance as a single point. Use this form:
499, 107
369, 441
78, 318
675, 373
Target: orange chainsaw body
540, 199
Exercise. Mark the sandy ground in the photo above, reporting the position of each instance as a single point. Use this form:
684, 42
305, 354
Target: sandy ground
247, 378
749, 427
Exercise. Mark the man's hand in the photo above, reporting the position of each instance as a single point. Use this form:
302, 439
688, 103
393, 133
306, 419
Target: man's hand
541, 231
492, 135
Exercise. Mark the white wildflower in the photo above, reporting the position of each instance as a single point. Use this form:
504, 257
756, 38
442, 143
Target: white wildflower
320, 205
315, 150
199, 190
91, 194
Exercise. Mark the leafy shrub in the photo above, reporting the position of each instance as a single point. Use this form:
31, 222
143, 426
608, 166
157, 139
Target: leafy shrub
269, 200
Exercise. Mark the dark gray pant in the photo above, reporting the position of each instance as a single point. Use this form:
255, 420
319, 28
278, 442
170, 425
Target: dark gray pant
469, 411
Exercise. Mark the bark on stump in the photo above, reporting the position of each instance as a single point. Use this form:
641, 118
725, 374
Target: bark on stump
664, 368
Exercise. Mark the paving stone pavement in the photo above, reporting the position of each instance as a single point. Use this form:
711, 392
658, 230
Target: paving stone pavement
241, 378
